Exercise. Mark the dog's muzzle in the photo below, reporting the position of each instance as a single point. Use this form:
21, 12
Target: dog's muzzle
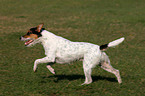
20, 37
23, 39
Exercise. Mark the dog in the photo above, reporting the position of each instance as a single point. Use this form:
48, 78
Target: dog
61, 50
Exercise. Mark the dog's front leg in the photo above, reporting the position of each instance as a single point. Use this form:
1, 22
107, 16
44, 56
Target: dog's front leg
43, 60
50, 69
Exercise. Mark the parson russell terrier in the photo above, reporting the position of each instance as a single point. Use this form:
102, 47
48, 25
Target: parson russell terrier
60, 50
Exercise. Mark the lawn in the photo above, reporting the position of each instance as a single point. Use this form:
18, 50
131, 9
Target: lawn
94, 21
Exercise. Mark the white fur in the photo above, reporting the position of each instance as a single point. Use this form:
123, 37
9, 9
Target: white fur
116, 42
61, 50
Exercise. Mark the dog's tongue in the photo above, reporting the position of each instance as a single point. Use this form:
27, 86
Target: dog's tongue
28, 42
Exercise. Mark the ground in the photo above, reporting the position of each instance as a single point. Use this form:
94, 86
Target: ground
95, 21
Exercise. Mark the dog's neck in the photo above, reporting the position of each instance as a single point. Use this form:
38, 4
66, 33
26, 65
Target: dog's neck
47, 39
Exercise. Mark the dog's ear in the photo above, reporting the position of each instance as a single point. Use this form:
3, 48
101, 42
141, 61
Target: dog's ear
39, 27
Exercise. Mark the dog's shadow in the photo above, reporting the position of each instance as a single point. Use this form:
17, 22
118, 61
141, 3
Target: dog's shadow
75, 77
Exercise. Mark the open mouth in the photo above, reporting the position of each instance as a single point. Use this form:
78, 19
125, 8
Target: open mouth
28, 42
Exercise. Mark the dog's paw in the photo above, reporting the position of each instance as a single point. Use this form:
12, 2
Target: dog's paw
35, 68
120, 81
86, 83
53, 72
50, 69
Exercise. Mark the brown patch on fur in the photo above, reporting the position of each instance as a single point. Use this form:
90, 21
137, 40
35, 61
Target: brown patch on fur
35, 32
33, 36
39, 27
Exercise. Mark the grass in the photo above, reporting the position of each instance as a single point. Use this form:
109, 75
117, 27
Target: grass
95, 21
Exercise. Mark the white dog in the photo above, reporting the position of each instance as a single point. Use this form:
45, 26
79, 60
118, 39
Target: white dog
61, 50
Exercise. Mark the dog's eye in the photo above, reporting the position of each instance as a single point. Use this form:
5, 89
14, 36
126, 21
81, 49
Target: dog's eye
29, 33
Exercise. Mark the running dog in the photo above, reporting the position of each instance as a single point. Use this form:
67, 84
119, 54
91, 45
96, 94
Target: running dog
60, 50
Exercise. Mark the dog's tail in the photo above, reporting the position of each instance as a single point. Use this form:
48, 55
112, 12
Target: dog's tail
112, 44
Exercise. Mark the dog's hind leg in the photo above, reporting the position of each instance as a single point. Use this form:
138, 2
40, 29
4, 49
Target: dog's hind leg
106, 66
88, 78
87, 66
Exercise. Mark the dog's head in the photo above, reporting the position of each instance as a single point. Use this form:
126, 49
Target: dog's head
33, 35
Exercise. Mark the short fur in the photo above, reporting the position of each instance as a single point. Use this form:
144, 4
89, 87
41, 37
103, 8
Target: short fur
60, 50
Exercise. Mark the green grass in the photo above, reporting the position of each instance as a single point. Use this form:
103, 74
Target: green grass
95, 21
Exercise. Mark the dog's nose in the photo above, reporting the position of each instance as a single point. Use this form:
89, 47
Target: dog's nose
20, 37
